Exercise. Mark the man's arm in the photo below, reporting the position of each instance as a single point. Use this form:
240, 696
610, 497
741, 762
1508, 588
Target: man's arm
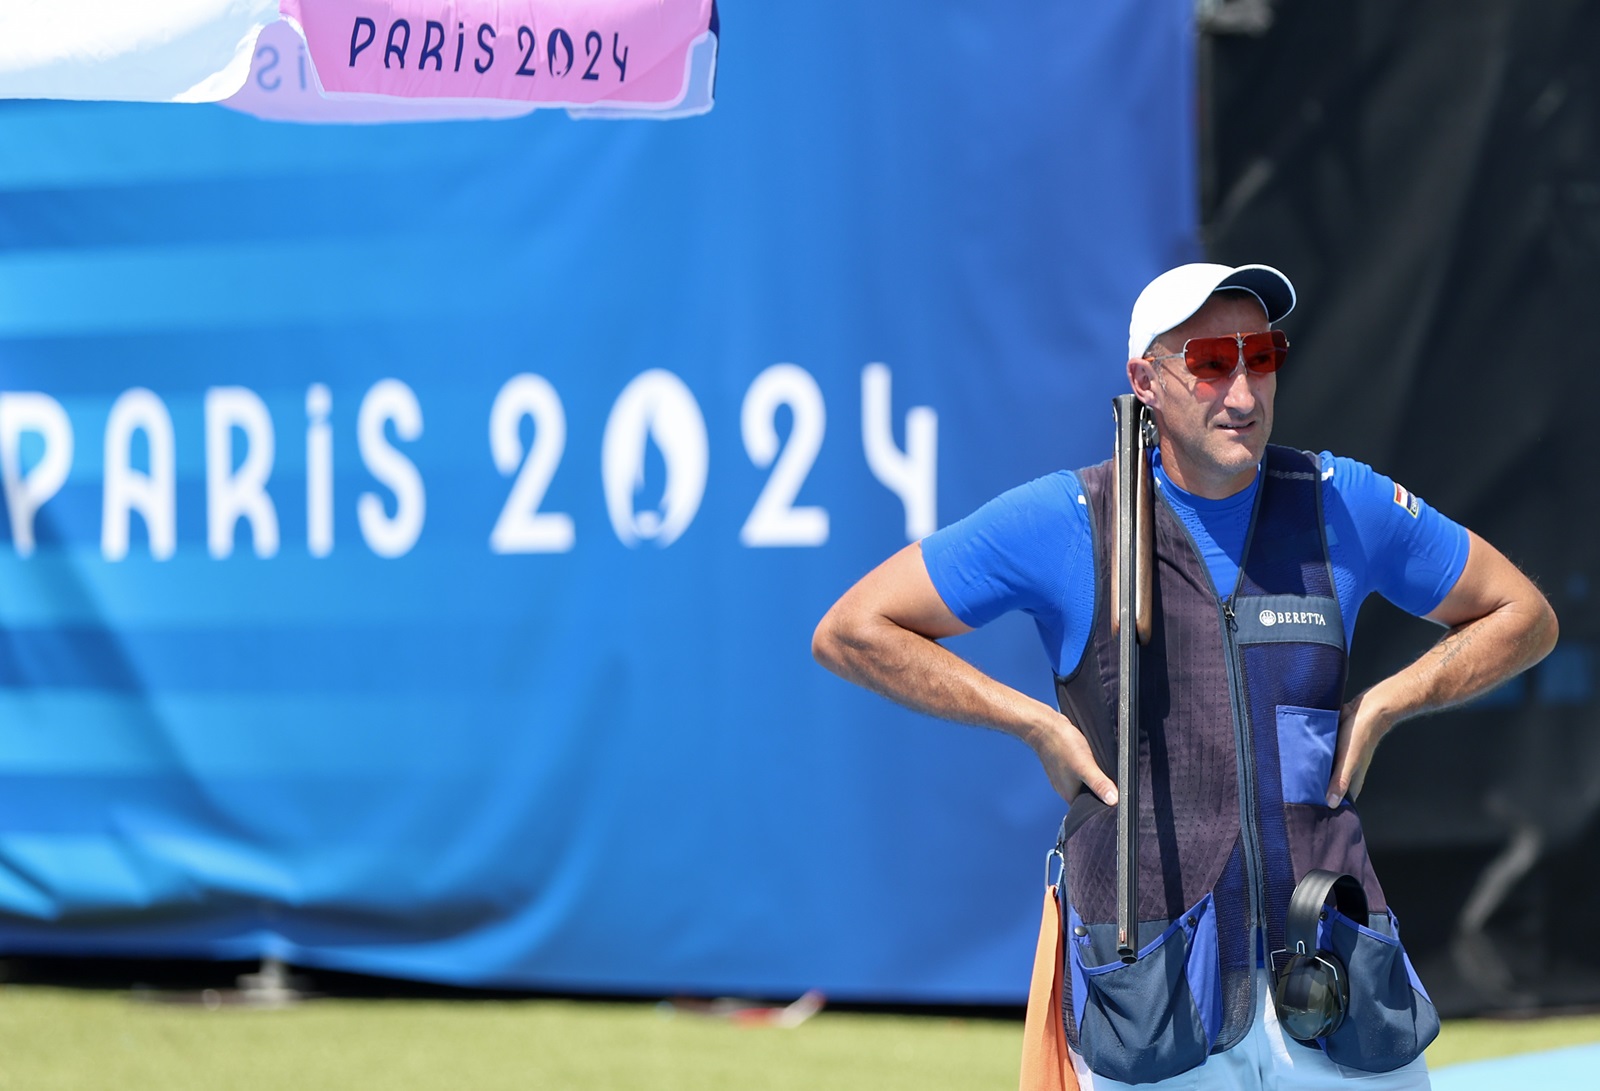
882, 634
1500, 625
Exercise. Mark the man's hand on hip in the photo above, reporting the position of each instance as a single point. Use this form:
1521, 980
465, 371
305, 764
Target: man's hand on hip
1070, 764
1362, 725
1499, 625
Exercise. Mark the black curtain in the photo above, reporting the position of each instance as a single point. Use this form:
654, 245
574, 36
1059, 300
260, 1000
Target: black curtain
1428, 174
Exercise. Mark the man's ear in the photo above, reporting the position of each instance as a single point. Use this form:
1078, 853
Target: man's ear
1142, 378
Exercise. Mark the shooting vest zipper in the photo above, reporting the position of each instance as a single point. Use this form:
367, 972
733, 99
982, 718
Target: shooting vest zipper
1244, 753
1248, 806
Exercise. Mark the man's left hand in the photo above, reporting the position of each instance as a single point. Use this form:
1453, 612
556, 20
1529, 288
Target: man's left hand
1361, 726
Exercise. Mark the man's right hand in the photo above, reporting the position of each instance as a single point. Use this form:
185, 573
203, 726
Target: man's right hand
1070, 764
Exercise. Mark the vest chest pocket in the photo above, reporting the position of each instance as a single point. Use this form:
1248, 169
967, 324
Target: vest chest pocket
1391, 1020
1306, 738
1153, 1018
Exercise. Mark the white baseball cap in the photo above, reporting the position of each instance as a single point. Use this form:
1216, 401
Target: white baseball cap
1175, 295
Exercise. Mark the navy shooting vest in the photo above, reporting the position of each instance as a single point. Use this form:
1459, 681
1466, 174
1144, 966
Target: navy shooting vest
1239, 696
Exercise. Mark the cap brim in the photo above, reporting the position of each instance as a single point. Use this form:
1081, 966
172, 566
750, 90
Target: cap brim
1266, 284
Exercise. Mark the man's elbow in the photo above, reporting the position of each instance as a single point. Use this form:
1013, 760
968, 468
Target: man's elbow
828, 644
1546, 629
822, 642
843, 638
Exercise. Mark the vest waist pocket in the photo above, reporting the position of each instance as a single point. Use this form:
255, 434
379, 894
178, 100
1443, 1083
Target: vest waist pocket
1390, 1020
1155, 1017
1306, 739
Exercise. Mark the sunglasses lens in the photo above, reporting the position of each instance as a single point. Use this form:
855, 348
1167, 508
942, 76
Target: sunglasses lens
1211, 358
1264, 353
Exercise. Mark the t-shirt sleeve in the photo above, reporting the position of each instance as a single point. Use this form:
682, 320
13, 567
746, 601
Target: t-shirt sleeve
1411, 554
1014, 553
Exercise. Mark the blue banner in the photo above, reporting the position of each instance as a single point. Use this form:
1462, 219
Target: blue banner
413, 534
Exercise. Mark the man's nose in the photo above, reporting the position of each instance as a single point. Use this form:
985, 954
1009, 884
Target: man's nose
1240, 397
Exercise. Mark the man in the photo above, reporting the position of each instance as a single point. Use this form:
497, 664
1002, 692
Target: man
1250, 756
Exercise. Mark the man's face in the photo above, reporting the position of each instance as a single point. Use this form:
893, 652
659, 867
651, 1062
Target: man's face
1213, 434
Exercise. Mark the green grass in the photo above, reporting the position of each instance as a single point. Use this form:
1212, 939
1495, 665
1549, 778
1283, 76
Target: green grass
1464, 1040
65, 1040
59, 1039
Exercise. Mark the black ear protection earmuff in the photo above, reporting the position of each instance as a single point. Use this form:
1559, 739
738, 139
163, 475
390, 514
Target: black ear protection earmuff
1311, 989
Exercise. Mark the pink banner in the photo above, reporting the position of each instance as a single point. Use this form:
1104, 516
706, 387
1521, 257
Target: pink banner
575, 53
282, 86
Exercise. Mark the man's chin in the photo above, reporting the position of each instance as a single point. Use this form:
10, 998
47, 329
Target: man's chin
1238, 456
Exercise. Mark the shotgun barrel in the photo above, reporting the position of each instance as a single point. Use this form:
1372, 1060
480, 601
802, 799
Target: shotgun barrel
1132, 575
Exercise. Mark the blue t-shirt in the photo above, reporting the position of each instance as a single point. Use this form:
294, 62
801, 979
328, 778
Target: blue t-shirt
1029, 549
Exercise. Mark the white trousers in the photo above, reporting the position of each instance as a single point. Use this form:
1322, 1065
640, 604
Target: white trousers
1267, 1059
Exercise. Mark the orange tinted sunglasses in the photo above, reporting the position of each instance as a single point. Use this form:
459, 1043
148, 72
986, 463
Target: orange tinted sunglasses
1210, 359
